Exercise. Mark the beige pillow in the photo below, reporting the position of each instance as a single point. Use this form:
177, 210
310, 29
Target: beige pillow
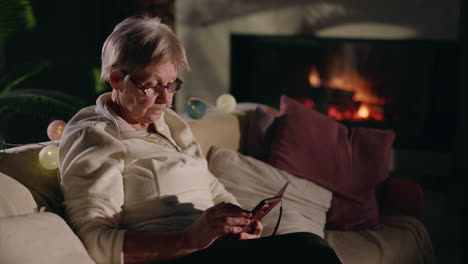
305, 203
22, 164
15, 199
216, 128
40, 238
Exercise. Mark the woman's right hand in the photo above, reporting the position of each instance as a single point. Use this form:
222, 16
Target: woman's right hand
218, 220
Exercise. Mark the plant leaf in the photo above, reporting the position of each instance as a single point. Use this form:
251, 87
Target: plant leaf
99, 87
47, 104
9, 81
15, 16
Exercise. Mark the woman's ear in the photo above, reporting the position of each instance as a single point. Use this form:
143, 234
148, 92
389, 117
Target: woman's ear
115, 79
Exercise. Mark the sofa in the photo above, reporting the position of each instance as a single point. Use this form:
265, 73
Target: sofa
33, 228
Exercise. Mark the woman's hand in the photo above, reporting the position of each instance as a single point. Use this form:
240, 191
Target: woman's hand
253, 230
219, 220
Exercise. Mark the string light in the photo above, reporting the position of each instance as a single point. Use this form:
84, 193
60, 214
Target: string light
55, 129
226, 103
48, 157
195, 108
4, 144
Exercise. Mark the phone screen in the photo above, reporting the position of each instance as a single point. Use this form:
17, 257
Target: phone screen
265, 206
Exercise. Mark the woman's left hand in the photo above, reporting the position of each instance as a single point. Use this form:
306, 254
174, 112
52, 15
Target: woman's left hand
253, 230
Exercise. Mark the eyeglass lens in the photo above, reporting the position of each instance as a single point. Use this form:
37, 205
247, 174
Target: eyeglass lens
171, 88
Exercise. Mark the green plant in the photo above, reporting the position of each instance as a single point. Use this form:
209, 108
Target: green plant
36, 91
46, 103
15, 15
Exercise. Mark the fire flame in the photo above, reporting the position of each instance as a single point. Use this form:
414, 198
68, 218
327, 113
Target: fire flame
363, 111
314, 77
349, 80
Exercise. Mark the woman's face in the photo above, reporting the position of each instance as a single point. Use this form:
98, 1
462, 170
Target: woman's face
135, 105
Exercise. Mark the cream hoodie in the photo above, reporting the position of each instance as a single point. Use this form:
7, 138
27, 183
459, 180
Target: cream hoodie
116, 178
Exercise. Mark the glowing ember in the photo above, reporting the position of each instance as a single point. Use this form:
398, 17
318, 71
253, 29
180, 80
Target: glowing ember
363, 111
340, 114
347, 79
314, 77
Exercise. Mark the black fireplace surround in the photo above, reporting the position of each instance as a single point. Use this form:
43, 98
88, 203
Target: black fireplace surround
414, 83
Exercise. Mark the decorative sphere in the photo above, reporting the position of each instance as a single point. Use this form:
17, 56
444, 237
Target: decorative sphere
55, 129
226, 102
48, 157
196, 109
2, 143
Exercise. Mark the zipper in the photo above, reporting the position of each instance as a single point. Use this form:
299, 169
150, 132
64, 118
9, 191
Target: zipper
165, 141
168, 143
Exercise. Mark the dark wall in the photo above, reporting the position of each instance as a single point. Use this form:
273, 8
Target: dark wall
460, 160
460, 154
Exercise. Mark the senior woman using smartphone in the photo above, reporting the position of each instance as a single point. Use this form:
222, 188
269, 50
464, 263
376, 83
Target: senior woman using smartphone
136, 185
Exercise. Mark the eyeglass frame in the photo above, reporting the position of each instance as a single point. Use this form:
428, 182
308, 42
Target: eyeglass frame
157, 88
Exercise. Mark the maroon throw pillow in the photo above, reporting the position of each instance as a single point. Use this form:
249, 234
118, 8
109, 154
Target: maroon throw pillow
260, 133
349, 162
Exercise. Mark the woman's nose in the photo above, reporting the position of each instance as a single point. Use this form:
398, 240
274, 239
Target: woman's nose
163, 96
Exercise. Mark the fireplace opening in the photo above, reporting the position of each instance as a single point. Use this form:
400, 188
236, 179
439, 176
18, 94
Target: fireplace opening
409, 86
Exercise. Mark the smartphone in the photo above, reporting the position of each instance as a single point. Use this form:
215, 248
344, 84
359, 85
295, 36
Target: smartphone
262, 209
265, 205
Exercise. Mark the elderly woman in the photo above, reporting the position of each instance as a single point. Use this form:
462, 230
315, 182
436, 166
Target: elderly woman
136, 185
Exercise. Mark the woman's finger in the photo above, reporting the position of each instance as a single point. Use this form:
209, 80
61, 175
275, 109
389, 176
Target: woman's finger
232, 221
257, 228
253, 231
245, 235
229, 209
224, 230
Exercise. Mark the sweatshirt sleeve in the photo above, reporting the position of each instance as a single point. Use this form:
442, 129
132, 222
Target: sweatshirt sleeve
91, 165
220, 193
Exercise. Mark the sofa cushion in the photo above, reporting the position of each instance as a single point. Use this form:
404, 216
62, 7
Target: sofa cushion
349, 162
402, 240
15, 199
39, 238
304, 203
259, 132
22, 164
216, 128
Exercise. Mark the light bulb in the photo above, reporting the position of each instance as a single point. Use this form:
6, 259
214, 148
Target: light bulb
55, 129
48, 157
195, 108
226, 103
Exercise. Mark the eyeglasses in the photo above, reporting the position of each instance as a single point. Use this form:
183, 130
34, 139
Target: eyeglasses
157, 89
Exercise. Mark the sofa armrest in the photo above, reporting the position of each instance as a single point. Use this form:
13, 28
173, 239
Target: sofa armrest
402, 195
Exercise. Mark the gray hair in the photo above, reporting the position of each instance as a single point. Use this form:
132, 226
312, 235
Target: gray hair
137, 42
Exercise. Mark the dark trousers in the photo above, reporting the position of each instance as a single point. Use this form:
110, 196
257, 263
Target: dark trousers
292, 248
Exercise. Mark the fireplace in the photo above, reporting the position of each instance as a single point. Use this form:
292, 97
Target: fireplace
410, 86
